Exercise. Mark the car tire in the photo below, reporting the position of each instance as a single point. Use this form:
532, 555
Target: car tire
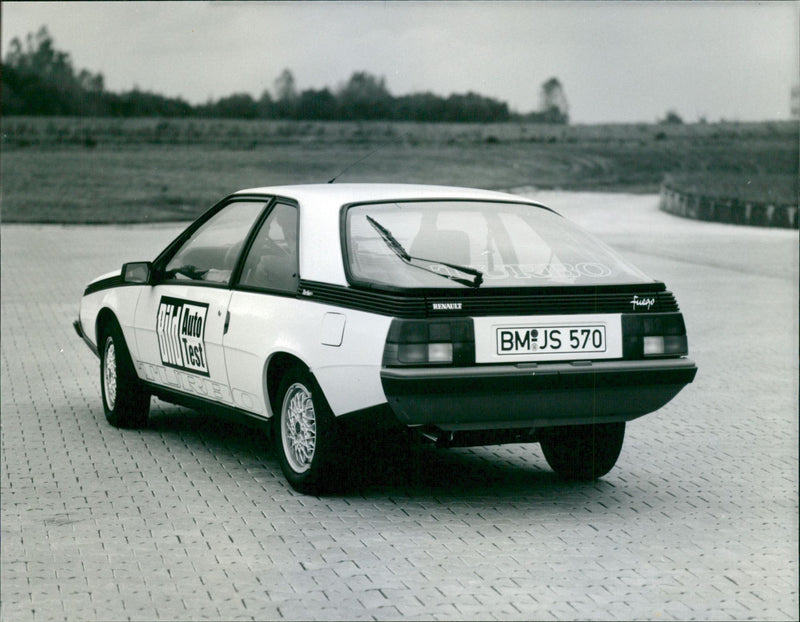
125, 401
583, 452
305, 432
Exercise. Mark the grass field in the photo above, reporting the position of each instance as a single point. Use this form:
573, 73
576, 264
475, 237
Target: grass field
109, 170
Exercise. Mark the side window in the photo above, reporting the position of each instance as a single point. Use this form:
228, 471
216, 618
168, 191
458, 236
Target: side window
210, 254
272, 260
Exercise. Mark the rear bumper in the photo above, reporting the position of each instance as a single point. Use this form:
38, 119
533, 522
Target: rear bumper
510, 396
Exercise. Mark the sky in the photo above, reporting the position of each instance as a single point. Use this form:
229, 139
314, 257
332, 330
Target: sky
617, 61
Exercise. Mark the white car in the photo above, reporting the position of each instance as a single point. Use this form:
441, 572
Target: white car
474, 317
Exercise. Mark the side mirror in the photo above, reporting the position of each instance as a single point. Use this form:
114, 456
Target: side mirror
137, 272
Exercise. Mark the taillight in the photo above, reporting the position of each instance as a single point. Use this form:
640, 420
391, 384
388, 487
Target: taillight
654, 335
665, 345
430, 342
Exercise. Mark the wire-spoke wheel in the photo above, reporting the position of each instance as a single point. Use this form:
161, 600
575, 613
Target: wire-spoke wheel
298, 428
110, 374
305, 432
125, 401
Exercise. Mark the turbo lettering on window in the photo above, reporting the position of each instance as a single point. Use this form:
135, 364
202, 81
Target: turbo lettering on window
180, 327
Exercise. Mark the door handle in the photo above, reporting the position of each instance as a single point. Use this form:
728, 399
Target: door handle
227, 322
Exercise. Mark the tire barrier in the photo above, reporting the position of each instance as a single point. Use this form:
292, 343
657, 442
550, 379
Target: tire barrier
728, 210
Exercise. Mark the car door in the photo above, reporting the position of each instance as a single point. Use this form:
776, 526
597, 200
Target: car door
180, 320
263, 307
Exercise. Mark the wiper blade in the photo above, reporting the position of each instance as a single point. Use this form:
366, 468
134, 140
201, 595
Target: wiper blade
390, 241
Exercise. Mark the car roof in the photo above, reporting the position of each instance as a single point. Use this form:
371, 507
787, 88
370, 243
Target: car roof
335, 195
320, 210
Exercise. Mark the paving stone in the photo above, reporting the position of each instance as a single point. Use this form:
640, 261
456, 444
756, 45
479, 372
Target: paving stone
192, 519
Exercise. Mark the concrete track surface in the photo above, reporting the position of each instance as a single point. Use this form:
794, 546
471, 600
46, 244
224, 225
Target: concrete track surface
191, 518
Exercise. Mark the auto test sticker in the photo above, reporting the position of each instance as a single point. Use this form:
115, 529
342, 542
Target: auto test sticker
181, 328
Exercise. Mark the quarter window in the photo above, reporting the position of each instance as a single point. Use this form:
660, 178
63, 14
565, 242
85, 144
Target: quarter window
271, 262
210, 254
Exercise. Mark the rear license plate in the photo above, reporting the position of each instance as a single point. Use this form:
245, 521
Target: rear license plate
578, 339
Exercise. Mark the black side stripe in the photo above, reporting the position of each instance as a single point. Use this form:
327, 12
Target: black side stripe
485, 303
359, 300
112, 281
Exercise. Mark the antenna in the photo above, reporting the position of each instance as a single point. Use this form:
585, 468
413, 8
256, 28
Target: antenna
360, 160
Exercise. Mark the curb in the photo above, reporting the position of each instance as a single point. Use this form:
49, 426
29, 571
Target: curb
727, 210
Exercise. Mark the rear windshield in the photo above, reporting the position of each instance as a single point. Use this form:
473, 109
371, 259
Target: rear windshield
457, 244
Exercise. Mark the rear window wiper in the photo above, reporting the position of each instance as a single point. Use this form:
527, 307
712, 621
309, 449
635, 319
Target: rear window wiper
476, 276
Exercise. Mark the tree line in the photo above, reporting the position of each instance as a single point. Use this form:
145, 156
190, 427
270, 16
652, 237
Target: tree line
38, 79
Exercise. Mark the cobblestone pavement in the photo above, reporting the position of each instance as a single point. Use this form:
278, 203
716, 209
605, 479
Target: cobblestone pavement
192, 519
